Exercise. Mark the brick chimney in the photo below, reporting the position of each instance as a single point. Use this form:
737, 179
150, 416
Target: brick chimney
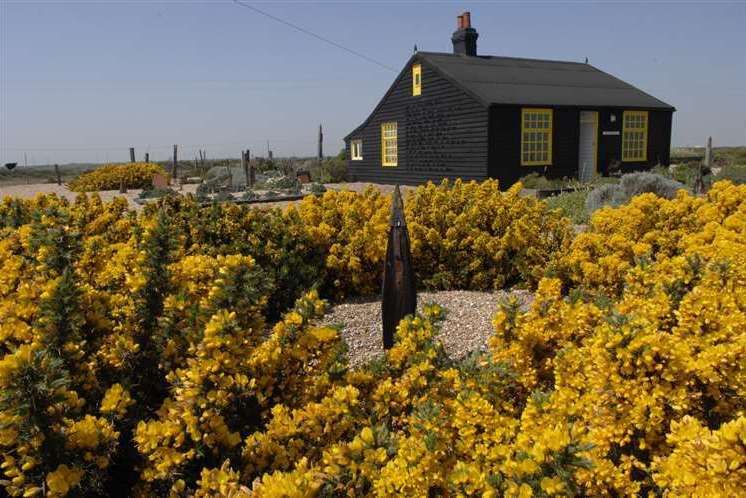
465, 37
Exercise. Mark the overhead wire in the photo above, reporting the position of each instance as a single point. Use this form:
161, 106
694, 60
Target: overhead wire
314, 35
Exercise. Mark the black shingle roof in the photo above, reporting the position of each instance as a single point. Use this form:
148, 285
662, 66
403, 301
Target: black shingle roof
509, 80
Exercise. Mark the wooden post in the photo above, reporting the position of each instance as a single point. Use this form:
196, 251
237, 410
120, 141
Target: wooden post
321, 146
399, 289
705, 167
252, 171
173, 165
245, 168
147, 157
57, 174
132, 154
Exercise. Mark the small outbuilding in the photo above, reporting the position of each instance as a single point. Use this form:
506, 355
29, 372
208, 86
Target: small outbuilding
470, 116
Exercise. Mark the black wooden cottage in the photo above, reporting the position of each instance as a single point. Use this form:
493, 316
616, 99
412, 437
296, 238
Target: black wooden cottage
470, 116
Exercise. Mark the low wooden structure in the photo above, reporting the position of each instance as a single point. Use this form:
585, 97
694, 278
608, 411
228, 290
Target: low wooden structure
473, 116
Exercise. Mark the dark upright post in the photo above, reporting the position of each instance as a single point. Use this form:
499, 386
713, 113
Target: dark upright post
245, 164
57, 174
704, 168
321, 146
147, 157
252, 174
132, 154
399, 293
175, 162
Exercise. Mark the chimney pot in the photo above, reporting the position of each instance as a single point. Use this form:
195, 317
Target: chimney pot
465, 37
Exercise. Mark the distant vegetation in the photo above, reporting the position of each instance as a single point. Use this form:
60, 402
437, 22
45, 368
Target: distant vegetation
22, 175
332, 169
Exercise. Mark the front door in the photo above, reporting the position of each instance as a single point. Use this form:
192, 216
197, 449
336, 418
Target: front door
587, 155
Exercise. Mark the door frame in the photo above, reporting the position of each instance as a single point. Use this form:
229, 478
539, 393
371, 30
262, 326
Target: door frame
596, 119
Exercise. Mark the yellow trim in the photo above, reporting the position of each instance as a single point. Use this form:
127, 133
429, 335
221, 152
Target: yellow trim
542, 123
389, 140
356, 144
634, 136
416, 80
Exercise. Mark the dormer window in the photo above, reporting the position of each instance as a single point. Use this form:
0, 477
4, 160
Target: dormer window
416, 80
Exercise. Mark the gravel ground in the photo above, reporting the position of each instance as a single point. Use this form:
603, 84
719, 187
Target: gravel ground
466, 328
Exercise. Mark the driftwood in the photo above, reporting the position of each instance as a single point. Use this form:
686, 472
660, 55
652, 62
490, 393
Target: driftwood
399, 291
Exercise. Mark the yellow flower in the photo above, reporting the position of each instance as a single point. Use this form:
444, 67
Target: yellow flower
63, 479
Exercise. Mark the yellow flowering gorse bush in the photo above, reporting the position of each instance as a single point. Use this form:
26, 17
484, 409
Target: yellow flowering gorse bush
177, 351
113, 176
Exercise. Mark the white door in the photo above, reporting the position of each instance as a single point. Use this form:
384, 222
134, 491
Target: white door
588, 145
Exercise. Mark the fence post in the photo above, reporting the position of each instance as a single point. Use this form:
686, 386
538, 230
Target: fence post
57, 174
704, 167
147, 157
173, 165
252, 171
245, 166
399, 288
320, 152
132, 154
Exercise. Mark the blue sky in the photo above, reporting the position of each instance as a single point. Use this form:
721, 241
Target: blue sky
83, 81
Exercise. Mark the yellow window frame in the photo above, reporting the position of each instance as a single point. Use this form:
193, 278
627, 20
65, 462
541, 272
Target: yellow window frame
389, 144
536, 136
356, 149
416, 80
634, 136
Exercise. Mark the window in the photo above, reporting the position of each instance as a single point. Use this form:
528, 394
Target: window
389, 151
635, 136
356, 150
536, 137
416, 80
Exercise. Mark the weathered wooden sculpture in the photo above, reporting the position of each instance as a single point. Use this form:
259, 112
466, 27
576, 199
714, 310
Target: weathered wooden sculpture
399, 292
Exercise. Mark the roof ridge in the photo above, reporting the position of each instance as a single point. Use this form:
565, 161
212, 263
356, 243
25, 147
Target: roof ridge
531, 59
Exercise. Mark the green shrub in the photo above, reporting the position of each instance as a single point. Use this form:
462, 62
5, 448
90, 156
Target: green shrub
317, 188
734, 173
156, 193
571, 204
684, 173
223, 197
249, 195
540, 182
332, 170
282, 182
640, 183
630, 185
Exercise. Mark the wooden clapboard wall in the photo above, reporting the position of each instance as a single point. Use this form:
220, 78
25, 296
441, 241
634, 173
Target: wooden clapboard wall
442, 133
